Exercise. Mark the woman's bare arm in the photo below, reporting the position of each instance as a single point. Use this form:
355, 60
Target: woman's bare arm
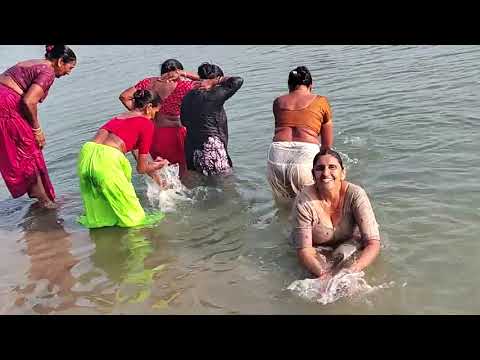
126, 97
326, 135
144, 166
367, 256
30, 101
307, 256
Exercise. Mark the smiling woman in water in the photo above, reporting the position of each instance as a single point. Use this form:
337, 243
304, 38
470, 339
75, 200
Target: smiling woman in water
333, 212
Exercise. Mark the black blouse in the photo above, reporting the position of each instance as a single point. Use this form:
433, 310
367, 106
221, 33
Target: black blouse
203, 115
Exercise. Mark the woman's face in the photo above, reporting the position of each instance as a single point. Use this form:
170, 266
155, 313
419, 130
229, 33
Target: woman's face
61, 68
327, 172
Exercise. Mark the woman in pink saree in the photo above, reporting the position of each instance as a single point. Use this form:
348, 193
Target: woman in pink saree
22, 88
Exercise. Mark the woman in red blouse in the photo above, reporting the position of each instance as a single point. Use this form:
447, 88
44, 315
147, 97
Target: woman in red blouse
22, 87
172, 86
105, 173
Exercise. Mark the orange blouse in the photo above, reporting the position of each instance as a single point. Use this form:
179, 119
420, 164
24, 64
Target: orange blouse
318, 112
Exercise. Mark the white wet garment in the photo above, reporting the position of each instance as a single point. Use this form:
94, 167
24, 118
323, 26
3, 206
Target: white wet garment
289, 168
343, 284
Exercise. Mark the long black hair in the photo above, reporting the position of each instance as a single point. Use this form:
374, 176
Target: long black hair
209, 71
54, 52
170, 65
141, 98
299, 76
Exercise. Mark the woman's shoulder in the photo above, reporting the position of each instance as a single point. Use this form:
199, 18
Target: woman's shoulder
353, 188
184, 86
134, 120
321, 101
146, 83
34, 65
355, 192
307, 202
39, 65
139, 118
308, 194
281, 98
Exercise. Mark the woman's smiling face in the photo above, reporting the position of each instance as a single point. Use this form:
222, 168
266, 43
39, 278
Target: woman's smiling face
328, 172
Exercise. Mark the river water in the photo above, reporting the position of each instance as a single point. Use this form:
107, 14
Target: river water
405, 123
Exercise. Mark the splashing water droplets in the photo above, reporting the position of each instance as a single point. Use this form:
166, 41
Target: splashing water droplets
326, 291
167, 189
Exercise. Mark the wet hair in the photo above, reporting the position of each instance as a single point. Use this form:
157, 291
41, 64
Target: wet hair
335, 154
299, 76
54, 52
170, 65
209, 71
142, 98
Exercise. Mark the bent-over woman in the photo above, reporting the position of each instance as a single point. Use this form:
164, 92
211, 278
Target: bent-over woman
105, 173
203, 114
22, 88
300, 118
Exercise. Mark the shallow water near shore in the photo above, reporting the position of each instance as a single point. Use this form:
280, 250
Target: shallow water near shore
405, 122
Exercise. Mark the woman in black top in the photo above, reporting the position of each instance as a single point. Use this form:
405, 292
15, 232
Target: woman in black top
203, 115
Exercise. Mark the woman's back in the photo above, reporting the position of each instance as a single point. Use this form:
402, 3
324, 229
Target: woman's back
22, 75
300, 116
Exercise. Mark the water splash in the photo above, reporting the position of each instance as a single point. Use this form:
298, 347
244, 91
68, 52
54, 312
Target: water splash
167, 190
347, 159
354, 140
325, 291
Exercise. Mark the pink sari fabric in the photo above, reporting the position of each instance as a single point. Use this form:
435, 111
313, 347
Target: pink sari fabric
21, 159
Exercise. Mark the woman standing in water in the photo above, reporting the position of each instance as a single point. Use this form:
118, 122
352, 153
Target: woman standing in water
105, 173
300, 117
204, 116
22, 88
169, 135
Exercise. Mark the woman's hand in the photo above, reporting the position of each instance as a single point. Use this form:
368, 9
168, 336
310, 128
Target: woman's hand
171, 76
159, 163
158, 179
207, 84
39, 137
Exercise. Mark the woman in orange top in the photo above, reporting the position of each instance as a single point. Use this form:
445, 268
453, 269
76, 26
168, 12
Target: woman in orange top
300, 118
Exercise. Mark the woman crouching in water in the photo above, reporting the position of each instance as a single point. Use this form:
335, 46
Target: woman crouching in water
105, 173
335, 213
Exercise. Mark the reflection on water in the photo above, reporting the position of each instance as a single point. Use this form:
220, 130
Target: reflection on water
223, 245
122, 255
48, 247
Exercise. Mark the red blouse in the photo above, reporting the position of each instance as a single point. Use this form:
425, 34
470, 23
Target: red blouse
170, 105
136, 132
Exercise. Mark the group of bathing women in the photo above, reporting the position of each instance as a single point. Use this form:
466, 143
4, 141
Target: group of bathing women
179, 117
